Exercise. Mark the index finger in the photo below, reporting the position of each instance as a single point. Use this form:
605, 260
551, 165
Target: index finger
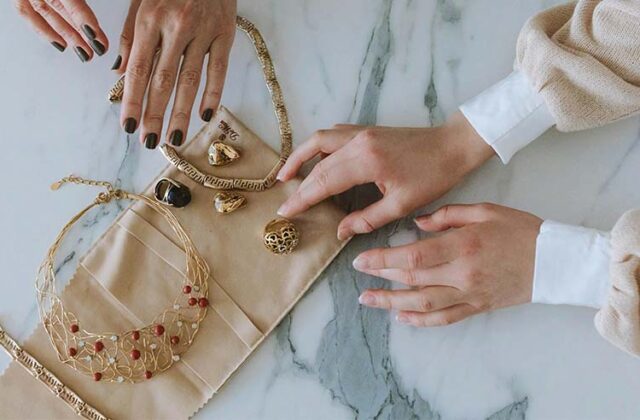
83, 18
335, 174
322, 141
423, 254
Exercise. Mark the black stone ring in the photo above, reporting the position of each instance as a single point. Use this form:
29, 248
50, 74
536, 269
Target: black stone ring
172, 193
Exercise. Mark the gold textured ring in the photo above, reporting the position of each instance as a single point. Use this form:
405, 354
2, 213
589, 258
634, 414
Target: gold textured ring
281, 236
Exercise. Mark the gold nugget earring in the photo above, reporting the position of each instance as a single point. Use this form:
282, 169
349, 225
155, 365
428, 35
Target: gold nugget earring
227, 202
221, 154
281, 236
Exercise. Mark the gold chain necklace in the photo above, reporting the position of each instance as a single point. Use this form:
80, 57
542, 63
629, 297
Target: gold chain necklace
129, 356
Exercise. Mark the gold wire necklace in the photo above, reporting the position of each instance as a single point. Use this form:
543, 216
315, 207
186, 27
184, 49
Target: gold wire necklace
134, 355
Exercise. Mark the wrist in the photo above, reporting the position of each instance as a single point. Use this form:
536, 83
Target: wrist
470, 150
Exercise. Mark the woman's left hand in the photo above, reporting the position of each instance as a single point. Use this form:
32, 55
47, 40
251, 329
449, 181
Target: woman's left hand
484, 260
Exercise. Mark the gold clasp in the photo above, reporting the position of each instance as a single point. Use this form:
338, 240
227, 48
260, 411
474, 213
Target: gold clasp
103, 197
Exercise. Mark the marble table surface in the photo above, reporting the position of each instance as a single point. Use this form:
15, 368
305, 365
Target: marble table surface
403, 62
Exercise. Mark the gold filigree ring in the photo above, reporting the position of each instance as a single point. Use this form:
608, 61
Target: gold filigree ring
281, 236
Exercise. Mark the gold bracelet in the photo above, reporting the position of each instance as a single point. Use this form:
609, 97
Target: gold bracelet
129, 356
48, 379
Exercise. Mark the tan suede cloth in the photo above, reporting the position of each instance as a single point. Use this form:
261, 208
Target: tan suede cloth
132, 272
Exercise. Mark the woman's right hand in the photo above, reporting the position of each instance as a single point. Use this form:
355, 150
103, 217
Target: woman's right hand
410, 166
66, 23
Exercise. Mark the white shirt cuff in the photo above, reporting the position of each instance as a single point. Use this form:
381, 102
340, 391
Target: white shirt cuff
509, 115
571, 266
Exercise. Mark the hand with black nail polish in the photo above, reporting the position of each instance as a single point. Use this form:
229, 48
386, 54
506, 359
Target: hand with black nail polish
66, 23
187, 31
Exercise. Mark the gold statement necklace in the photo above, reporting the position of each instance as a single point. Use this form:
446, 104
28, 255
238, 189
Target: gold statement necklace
137, 354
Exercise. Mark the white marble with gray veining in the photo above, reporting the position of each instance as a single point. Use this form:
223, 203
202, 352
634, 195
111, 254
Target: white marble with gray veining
402, 62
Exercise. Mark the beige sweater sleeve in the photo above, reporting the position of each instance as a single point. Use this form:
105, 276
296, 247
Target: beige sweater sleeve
584, 59
619, 320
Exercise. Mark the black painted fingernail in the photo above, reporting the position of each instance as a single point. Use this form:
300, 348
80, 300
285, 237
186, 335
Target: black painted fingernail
82, 54
97, 47
176, 138
130, 125
207, 114
58, 46
89, 32
116, 64
151, 141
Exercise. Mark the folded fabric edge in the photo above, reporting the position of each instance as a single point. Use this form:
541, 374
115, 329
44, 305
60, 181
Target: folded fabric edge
275, 324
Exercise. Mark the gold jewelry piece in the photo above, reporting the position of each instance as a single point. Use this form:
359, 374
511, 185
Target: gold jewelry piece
281, 236
226, 202
172, 193
117, 91
221, 154
48, 379
220, 183
135, 355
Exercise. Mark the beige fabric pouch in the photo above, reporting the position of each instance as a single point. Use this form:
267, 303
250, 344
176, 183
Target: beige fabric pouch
131, 274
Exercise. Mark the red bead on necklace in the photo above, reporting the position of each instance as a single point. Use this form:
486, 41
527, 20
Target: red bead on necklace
158, 330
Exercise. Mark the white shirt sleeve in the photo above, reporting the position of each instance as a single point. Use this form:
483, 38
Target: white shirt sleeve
571, 266
509, 115
572, 263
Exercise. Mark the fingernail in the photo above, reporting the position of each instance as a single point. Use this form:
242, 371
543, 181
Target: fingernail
345, 234
176, 138
116, 64
89, 32
284, 209
97, 47
58, 46
130, 125
360, 263
207, 114
82, 54
421, 219
367, 299
151, 141
402, 319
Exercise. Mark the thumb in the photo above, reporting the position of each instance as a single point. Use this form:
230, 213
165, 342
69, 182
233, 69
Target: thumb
371, 218
455, 216
126, 39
